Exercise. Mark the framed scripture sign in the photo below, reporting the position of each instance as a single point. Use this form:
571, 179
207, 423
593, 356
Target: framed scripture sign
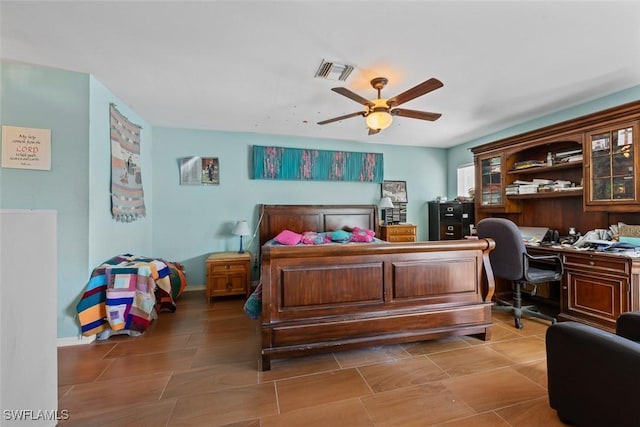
26, 148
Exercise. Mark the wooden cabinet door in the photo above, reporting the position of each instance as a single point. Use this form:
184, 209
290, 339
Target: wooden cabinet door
229, 284
594, 298
611, 168
490, 184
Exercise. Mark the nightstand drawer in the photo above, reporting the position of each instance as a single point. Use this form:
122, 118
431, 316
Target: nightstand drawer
227, 267
401, 229
402, 238
398, 232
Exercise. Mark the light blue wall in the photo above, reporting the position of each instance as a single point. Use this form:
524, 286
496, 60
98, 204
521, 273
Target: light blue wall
461, 154
44, 98
191, 221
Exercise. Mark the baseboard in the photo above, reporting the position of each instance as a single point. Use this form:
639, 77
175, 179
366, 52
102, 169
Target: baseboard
196, 288
79, 340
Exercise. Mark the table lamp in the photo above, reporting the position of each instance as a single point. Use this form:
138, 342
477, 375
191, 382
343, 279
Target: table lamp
385, 203
241, 229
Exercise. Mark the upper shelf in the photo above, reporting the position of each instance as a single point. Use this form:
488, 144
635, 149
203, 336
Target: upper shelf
546, 169
577, 192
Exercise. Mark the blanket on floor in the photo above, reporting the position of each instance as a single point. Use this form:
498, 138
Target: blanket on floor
124, 293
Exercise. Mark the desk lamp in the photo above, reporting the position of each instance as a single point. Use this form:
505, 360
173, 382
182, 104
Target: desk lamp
241, 229
385, 203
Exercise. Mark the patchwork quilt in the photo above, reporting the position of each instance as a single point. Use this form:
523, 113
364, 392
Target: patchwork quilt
125, 293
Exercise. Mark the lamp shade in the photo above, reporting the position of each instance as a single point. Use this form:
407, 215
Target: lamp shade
379, 120
379, 117
385, 203
241, 229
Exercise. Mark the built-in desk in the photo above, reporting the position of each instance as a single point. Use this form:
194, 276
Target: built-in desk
596, 286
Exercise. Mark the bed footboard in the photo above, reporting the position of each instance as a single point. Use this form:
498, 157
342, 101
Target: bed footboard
318, 299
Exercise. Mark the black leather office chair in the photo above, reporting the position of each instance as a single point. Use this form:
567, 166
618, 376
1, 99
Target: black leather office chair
510, 261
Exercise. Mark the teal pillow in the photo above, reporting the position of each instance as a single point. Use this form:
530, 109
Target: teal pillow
340, 236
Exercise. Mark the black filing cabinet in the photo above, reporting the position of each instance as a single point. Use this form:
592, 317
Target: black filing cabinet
450, 220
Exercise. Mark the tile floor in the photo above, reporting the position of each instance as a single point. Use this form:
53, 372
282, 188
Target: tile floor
199, 367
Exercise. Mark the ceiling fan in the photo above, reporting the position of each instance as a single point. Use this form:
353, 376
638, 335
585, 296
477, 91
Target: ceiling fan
379, 112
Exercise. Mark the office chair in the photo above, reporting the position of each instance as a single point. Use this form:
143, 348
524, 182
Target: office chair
510, 261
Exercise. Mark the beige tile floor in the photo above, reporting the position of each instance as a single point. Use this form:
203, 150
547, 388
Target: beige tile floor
199, 367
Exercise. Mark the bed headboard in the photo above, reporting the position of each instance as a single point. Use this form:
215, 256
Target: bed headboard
301, 218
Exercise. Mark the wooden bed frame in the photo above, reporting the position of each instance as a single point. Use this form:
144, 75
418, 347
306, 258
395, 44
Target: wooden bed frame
334, 297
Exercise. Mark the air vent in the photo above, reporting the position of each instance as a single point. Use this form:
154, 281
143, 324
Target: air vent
333, 71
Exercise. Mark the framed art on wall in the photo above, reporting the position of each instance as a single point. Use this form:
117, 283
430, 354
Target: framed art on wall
199, 171
396, 190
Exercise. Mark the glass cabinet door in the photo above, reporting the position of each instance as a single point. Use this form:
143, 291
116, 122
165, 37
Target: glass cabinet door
612, 164
491, 179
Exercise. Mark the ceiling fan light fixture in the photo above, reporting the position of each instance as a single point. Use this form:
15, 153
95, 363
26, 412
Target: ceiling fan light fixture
379, 112
379, 119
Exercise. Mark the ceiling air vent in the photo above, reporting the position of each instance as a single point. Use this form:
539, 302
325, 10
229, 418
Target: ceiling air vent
334, 71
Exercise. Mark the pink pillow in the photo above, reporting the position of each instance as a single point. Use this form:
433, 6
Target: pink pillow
313, 238
362, 235
288, 237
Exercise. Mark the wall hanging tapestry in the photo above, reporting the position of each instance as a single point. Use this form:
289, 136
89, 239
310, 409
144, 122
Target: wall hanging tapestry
320, 165
127, 197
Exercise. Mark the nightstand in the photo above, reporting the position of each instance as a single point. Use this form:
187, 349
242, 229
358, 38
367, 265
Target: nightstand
228, 273
398, 232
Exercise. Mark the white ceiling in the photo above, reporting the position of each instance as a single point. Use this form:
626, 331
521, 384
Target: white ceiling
249, 66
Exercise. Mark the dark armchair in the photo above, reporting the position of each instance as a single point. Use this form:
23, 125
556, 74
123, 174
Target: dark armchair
510, 261
593, 375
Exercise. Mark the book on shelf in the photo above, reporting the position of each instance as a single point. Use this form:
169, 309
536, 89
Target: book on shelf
568, 153
541, 181
528, 164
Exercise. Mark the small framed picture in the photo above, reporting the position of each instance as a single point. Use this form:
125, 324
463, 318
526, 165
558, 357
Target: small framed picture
210, 171
199, 171
396, 190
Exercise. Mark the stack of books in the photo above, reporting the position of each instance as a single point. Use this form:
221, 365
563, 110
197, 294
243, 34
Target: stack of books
537, 186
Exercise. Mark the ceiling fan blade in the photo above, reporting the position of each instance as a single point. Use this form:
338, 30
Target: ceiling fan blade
346, 116
413, 114
416, 91
373, 131
352, 95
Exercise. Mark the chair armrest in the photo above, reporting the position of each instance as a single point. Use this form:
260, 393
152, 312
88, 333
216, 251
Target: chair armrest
544, 262
543, 257
628, 326
592, 375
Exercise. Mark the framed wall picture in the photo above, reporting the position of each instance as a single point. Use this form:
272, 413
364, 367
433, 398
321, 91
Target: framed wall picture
199, 171
396, 190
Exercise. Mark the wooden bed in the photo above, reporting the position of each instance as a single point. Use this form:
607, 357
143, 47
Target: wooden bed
332, 297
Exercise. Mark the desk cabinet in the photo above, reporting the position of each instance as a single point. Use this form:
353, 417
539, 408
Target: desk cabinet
596, 288
398, 233
228, 273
